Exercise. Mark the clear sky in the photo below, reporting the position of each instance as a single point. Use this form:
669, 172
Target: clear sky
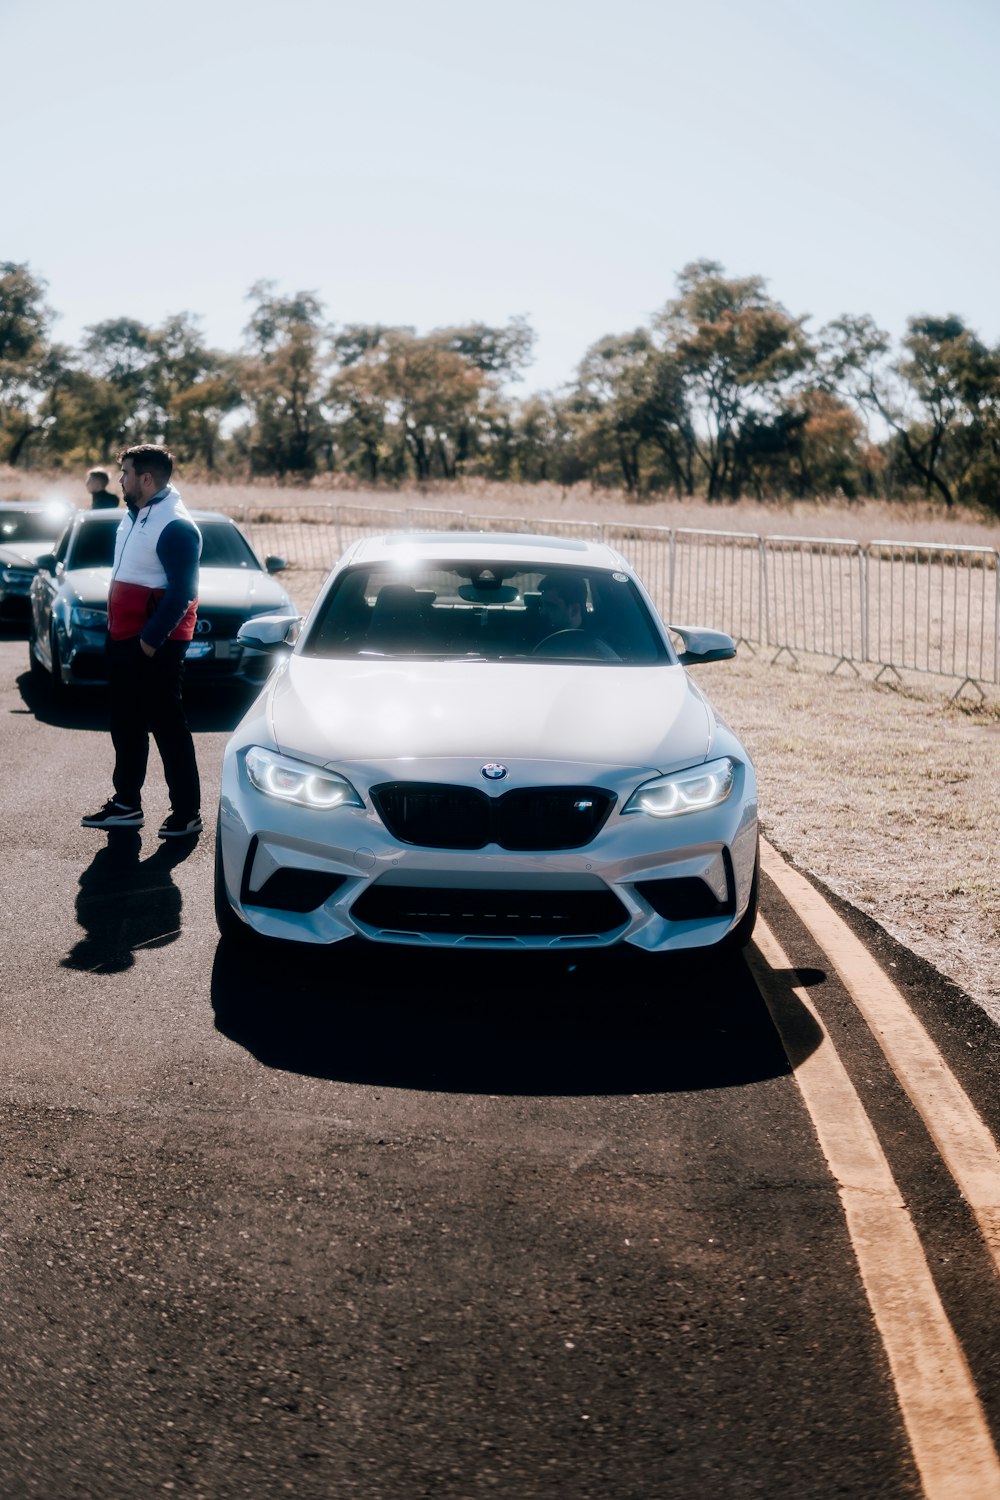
431, 162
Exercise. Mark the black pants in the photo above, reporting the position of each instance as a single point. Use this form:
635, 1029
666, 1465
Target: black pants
146, 698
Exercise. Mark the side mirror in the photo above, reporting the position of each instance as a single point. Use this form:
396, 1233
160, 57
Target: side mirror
270, 632
46, 563
703, 645
275, 564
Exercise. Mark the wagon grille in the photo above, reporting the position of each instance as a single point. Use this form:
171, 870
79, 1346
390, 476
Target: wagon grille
219, 624
460, 817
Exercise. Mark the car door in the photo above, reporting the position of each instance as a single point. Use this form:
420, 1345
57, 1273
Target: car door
43, 593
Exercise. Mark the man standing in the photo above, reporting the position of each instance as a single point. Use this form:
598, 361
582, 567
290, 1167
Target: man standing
101, 498
152, 607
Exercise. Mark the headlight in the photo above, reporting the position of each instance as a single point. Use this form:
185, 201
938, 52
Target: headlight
684, 791
88, 619
296, 781
16, 575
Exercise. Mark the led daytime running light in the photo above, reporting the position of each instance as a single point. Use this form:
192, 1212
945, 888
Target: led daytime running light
294, 781
685, 791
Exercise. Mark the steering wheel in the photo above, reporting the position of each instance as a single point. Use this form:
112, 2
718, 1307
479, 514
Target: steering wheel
558, 635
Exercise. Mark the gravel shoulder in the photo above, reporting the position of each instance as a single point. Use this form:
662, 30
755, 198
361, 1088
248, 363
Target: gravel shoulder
888, 795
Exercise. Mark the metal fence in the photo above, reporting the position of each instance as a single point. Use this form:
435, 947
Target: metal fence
892, 605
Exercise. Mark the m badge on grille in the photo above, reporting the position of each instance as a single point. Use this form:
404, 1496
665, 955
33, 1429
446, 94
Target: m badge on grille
494, 771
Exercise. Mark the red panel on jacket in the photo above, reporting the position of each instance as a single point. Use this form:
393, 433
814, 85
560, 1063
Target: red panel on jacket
130, 605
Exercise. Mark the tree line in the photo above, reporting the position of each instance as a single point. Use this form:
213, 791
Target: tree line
722, 394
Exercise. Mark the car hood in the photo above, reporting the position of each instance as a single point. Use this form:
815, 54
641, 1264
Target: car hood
341, 711
24, 554
218, 588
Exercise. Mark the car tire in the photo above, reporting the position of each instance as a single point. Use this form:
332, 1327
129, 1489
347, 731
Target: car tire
737, 940
57, 687
36, 667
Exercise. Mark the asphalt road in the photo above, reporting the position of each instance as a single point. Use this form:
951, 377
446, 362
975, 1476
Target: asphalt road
370, 1223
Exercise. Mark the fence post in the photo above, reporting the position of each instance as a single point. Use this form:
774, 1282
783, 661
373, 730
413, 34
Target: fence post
765, 605
672, 557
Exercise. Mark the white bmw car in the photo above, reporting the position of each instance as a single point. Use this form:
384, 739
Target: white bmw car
486, 741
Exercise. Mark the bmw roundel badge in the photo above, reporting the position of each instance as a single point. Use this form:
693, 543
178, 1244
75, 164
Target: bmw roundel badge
494, 771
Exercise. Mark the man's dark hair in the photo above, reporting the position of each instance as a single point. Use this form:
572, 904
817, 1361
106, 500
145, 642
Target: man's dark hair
101, 474
147, 458
571, 587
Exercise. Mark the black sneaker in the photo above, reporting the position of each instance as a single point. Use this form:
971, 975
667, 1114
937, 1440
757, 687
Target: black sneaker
114, 815
178, 826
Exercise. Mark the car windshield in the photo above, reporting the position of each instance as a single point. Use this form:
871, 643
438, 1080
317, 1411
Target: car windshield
492, 611
93, 545
30, 525
222, 546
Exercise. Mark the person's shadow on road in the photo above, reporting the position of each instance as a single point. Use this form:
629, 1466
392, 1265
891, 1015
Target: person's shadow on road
126, 902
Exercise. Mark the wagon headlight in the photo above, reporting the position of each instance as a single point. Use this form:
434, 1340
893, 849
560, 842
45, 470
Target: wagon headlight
684, 791
295, 781
88, 619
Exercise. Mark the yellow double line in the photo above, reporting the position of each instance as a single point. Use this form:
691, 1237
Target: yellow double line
944, 1420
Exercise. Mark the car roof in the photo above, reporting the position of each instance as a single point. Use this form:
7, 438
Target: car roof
36, 507
487, 546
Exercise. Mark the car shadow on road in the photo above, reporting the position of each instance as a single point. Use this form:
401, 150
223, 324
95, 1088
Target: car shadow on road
612, 1022
126, 902
210, 708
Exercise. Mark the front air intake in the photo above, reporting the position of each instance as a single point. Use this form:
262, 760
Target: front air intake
489, 913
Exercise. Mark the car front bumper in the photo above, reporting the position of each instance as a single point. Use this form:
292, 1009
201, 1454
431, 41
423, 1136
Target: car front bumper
318, 877
84, 664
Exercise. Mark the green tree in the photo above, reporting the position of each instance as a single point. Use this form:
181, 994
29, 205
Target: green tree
829, 454
500, 353
88, 417
192, 388
116, 359
739, 352
358, 400
403, 390
611, 398
630, 400
282, 379
434, 394
937, 397
954, 379
27, 367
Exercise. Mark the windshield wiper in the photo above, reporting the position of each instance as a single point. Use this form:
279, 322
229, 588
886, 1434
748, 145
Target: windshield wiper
423, 655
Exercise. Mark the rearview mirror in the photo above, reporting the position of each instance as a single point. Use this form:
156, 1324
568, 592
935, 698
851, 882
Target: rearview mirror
46, 563
275, 564
703, 645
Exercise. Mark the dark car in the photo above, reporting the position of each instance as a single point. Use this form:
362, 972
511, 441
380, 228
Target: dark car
28, 528
69, 602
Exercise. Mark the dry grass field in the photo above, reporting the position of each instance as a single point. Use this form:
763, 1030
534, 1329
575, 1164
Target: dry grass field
888, 795
887, 792
860, 521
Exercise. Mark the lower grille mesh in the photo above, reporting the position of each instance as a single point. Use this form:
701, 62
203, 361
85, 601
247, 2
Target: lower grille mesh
482, 913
